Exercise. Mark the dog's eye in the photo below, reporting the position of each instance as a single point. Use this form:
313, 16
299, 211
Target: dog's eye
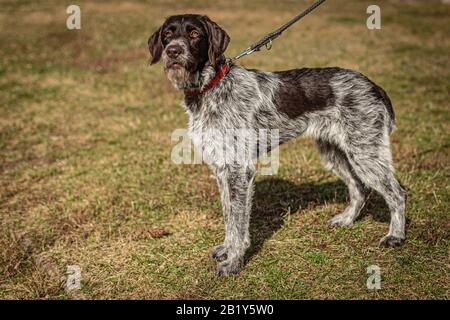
194, 34
168, 34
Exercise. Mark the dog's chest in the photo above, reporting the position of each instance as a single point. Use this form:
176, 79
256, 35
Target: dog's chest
213, 124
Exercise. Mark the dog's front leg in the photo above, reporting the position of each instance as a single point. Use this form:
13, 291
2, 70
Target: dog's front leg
219, 252
236, 186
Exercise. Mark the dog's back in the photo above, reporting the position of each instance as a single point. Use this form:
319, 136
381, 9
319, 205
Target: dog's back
326, 103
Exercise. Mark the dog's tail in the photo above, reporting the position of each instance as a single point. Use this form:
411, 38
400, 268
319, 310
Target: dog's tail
392, 125
383, 96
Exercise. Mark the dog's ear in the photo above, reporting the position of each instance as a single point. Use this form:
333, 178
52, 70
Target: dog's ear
218, 40
155, 45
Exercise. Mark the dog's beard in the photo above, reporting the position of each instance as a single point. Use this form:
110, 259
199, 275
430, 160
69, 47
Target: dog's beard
180, 77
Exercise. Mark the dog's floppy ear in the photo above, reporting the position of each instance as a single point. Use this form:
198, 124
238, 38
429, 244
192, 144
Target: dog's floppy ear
155, 45
218, 40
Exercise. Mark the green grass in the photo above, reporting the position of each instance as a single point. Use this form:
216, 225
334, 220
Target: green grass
86, 176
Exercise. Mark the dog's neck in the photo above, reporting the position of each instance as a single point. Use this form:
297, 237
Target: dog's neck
203, 77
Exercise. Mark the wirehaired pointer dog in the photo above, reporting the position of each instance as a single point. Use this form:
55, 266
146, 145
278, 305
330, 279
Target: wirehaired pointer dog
348, 115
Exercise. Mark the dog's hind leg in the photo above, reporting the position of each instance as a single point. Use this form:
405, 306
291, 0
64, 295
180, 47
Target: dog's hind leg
237, 184
373, 165
336, 160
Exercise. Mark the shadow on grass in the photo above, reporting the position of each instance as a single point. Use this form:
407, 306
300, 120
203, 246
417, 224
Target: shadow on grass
275, 197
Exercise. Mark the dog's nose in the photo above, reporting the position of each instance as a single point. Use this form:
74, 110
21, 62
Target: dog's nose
174, 51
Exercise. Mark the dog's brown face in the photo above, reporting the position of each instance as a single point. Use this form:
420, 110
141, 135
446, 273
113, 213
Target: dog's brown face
186, 43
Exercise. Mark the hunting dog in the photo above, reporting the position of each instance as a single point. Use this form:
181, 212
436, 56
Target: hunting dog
348, 115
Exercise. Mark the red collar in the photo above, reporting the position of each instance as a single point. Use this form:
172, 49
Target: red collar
223, 71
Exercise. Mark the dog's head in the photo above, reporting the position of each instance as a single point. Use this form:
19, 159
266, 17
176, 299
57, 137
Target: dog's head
186, 43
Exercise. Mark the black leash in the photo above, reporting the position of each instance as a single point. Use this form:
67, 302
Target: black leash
267, 40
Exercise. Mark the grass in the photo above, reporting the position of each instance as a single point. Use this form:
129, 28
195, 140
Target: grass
86, 177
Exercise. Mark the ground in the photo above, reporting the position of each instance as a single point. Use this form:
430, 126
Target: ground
86, 177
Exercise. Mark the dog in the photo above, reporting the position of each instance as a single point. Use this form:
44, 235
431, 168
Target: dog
348, 115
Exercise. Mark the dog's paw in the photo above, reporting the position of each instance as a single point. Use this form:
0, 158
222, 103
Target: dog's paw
219, 252
229, 267
391, 241
341, 220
